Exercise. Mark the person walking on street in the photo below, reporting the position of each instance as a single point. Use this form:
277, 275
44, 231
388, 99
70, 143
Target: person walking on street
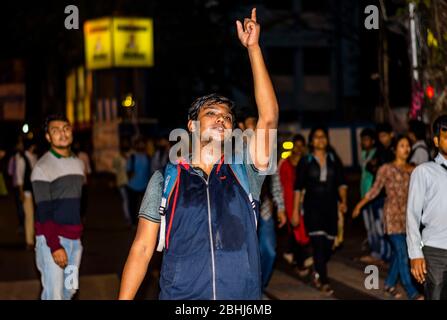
298, 240
25, 162
395, 178
57, 180
427, 211
320, 176
372, 212
12, 172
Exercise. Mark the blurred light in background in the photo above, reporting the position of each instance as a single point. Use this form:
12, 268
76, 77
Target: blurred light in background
430, 92
25, 128
286, 154
287, 145
128, 102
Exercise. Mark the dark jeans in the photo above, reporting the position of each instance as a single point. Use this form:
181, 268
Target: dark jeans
399, 267
267, 248
436, 278
135, 199
322, 251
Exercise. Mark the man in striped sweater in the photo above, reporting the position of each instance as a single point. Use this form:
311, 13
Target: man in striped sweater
57, 180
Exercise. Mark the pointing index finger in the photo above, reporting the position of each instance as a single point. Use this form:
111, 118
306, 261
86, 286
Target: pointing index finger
253, 14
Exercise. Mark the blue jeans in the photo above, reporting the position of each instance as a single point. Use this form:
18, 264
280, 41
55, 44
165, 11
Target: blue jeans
267, 248
399, 266
58, 283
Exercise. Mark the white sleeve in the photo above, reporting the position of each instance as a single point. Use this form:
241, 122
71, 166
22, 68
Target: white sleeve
20, 170
415, 206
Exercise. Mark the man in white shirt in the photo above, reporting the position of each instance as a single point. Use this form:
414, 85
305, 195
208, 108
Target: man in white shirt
427, 211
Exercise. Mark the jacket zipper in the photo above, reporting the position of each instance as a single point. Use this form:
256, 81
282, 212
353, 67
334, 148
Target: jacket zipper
213, 266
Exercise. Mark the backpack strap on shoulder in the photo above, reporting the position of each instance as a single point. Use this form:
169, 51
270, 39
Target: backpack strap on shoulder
170, 180
242, 177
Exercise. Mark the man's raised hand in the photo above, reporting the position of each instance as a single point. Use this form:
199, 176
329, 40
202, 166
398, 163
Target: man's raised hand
249, 33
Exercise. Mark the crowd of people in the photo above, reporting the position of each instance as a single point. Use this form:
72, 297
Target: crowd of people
211, 218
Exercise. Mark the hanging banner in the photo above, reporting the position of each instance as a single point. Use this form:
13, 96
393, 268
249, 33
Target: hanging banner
98, 43
119, 42
133, 42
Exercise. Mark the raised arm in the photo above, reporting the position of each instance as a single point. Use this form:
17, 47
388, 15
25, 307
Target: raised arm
265, 97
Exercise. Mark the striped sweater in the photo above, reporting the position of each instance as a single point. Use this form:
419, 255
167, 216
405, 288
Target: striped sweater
57, 184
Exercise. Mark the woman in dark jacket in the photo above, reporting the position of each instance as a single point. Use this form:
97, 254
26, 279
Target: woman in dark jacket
320, 177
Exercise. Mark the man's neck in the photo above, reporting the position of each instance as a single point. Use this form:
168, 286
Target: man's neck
62, 152
206, 156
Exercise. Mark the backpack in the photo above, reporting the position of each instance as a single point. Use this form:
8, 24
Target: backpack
171, 174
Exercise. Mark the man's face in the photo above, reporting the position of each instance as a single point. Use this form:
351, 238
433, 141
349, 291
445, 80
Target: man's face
367, 143
441, 142
60, 134
214, 119
385, 138
298, 148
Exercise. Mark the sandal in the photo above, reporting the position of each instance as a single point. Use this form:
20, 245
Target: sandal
418, 297
393, 292
327, 290
316, 280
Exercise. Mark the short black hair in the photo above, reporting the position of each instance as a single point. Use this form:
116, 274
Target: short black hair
213, 98
418, 128
384, 127
298, 137
368, 132
54, 117
440, 124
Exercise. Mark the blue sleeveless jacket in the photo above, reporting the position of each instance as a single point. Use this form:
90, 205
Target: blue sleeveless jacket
211, 246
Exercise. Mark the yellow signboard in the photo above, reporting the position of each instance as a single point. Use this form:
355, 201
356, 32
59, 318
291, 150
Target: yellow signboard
133, 42
98, 43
